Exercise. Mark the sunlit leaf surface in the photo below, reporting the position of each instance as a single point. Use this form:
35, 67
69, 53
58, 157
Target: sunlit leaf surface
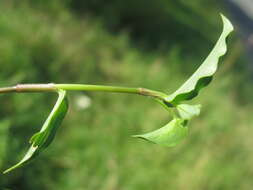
169, 135
43, 139
187, 111
203, 75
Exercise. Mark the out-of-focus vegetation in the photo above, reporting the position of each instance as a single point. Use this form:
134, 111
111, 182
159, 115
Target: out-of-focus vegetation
154, 44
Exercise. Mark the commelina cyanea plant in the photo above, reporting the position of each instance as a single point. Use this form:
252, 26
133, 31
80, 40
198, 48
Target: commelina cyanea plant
169, 135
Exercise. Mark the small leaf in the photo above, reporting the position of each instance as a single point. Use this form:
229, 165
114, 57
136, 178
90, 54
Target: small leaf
203, 76
47, 133
187, 111
169, 135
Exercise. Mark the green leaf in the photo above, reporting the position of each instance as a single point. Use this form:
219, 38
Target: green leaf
203, 76
187, 111
43, 139
169, 135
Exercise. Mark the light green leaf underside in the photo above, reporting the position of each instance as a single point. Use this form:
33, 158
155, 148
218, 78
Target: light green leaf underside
203, 76
43, 139
187, 111
169, 135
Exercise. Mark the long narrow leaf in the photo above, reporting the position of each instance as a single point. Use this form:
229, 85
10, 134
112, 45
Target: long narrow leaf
47, 133
203, 76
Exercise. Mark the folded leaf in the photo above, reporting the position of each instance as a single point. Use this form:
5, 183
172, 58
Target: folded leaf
187, 112
47, 133
169, 135
203, 76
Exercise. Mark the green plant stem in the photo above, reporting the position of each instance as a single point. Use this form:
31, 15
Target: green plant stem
22, 88
114, 89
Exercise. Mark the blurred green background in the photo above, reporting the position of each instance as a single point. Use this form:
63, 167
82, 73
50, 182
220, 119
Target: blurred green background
139, 43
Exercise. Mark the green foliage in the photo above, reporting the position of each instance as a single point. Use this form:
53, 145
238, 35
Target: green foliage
155, 22
44, 138
38, 47
169, 135
187, 111
176, 130
4, 126
204, 74
152, 24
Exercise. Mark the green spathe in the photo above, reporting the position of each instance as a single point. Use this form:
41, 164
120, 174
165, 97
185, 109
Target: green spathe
43, 139
169, 135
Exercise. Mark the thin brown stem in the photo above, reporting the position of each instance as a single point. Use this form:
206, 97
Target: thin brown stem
29, 88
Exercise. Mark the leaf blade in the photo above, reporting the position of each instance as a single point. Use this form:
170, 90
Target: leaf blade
203, 75
43, 139
169, 135
187, 111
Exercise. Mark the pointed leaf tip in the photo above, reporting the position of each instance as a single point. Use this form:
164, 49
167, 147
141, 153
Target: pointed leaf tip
227, 23
43, 139
169, 135
203, 75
